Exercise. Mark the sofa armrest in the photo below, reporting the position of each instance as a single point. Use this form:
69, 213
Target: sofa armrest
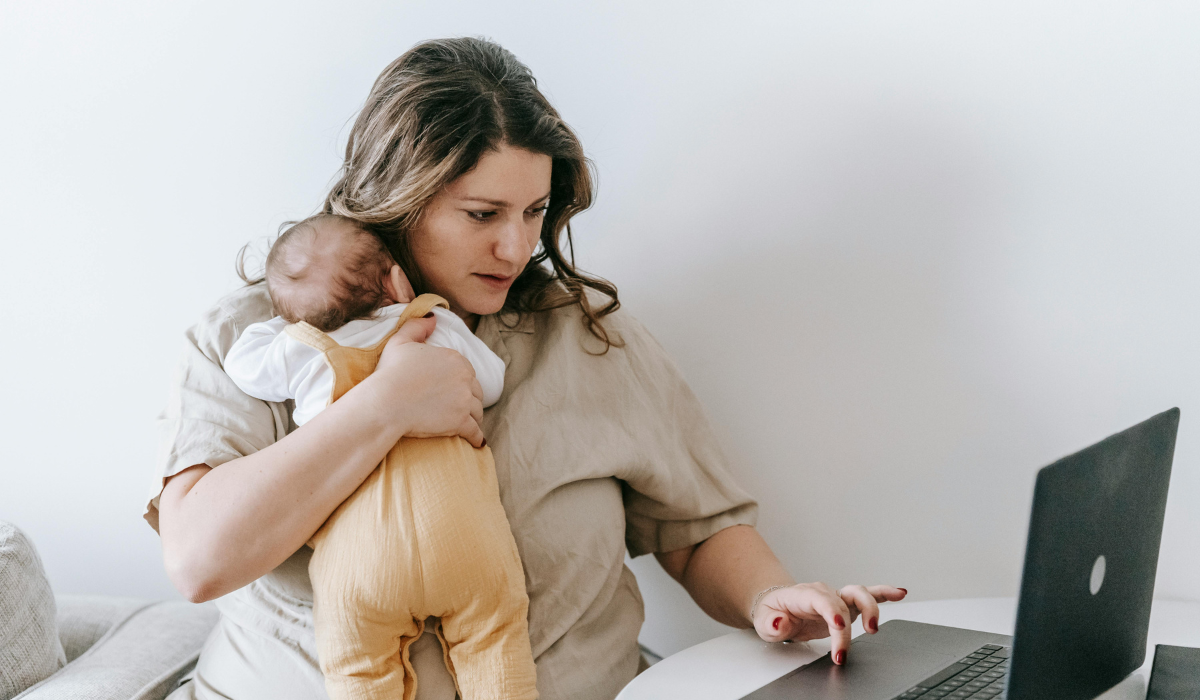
140, 657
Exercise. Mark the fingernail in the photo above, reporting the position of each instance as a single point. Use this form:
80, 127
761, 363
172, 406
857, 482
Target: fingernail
873, 623
776, 621
483, 444
840, 658
905, 591
837, 620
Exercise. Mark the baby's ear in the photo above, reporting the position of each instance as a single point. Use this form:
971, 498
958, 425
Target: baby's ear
398, 287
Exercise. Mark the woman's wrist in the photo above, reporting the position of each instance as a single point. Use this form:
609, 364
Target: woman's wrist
380, 409
762, 594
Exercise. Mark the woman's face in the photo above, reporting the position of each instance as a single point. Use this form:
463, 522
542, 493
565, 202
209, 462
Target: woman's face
478, 233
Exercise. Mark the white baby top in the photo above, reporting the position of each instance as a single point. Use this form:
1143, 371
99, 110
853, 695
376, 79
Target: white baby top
268, 364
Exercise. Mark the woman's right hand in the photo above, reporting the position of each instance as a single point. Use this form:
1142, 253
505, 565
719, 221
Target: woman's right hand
434, 389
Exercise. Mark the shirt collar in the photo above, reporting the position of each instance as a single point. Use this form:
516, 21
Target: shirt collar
493, 328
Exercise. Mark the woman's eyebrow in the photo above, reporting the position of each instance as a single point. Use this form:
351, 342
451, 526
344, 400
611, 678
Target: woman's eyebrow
494, 202
498, 203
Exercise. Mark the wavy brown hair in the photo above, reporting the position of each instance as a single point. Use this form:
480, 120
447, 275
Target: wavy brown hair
430, 116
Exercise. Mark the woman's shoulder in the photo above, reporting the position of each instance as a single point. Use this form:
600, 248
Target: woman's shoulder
568, 327
244, 306
220, 326
633, 375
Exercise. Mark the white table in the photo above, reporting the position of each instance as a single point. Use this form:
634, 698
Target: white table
729, 667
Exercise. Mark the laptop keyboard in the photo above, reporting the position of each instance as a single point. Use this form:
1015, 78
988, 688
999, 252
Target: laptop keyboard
979, 676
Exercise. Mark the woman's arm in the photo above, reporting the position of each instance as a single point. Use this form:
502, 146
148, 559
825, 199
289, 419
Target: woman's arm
725, 573
223, 528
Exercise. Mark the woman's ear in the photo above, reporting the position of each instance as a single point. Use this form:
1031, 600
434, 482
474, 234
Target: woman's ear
397, 286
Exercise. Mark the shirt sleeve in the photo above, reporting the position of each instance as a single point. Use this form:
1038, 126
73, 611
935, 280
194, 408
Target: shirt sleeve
207, 419
258, 363
678, 489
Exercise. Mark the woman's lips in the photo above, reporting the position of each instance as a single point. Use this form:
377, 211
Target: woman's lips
496, 281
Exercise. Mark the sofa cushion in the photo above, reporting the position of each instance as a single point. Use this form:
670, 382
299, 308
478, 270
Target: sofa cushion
141, 657
29, 646
85, 619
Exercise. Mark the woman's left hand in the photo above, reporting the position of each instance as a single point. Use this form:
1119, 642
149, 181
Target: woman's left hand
815, 611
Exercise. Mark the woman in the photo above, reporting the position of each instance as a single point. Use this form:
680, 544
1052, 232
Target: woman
469, 175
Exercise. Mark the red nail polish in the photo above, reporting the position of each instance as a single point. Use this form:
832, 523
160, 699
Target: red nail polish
840, 658
905, 591
776, 622
483, 444
837, 620
873, 623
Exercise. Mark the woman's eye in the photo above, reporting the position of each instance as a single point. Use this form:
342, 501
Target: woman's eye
481, 215
539, 211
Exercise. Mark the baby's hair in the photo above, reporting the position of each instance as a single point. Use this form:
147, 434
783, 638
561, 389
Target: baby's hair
353, 285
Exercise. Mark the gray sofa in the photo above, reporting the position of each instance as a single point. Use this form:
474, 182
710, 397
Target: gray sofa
74, 647
124, 648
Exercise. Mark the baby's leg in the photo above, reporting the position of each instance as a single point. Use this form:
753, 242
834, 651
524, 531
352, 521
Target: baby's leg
488, 647
471, 570
365, 580
368, 660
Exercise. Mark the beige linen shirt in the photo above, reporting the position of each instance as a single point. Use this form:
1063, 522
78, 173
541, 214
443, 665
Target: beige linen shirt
596, 455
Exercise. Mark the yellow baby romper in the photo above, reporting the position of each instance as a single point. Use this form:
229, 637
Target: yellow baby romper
424, 535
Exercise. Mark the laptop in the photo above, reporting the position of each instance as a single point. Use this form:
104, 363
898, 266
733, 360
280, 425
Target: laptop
1085, 598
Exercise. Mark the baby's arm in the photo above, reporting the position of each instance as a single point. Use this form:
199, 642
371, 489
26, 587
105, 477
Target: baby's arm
257, 362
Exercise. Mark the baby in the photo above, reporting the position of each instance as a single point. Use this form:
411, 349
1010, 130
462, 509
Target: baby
425, 534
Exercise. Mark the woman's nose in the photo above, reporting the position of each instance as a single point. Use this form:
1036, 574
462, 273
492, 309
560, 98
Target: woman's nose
513, 244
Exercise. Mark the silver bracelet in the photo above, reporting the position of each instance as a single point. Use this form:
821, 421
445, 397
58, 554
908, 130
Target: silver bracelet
759, 597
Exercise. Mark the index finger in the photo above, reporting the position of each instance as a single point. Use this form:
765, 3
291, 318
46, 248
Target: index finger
837, 616
415, 330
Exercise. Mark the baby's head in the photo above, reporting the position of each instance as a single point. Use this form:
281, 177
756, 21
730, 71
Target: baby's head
328, 270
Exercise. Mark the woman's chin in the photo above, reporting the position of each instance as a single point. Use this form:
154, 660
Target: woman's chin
484, 304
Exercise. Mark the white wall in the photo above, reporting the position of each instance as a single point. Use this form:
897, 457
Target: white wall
906, 253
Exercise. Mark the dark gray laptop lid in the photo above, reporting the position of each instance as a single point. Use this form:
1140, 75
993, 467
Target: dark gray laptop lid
1081, 627
1090, 563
